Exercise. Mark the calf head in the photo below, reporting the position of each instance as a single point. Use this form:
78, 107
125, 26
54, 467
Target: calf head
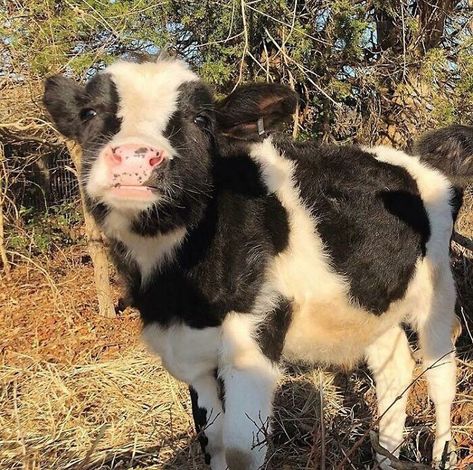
149, 133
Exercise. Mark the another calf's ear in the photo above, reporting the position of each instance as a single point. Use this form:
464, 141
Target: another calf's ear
63, 98
450, 150
270, 104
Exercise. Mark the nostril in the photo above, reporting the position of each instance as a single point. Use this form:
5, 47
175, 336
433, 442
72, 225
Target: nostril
156, 160
115, 156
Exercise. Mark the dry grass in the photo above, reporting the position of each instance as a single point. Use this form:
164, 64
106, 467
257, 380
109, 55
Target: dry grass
79, 392
96, 415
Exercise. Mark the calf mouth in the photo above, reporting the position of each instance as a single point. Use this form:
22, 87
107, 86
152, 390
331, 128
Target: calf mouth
133, 191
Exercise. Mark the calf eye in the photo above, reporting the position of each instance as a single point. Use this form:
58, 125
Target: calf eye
87, 114
202, 121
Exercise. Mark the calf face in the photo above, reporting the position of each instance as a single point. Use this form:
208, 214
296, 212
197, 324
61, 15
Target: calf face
148, 135
145, 130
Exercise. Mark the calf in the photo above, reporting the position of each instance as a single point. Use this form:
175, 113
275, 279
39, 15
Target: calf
240, 248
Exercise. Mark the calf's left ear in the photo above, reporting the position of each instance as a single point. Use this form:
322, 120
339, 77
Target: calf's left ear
254, 109
63, 98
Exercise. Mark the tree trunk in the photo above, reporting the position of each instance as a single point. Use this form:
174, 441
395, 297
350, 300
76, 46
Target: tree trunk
432, 16
3, 189
95, 245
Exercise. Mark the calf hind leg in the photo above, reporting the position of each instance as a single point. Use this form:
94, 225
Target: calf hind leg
390, 360
435, 331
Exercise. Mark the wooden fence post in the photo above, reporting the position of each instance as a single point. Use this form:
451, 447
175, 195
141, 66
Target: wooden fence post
95, 244
3, 190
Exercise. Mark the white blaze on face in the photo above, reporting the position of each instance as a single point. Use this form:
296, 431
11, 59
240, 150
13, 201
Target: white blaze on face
148, 96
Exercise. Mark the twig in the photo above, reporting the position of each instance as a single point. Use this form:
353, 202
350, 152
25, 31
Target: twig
94, 445
322, 424
360, 441
462, 311
394, 462
463, 241
245, 47
303, 69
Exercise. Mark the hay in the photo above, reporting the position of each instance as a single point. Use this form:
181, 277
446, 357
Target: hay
78, 392
103, 415
129, 413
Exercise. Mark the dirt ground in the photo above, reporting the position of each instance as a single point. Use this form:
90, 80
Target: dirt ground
80, 392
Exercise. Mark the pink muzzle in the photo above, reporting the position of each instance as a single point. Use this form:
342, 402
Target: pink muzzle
130, 168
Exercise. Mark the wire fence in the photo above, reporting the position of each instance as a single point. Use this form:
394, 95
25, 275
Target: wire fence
64, 186
42, 183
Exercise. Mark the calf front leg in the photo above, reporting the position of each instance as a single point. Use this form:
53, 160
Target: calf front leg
249, 379
191, 355
208, 415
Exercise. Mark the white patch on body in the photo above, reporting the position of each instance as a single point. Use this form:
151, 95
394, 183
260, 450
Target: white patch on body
326, 326
187, 353
149, 253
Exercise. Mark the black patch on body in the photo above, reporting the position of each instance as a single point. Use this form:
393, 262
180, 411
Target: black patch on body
410, 209
220, 267
271, 333
456, 201
276, 223
200, 420
370, 217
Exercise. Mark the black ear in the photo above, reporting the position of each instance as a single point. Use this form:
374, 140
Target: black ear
63, 98
449, 149
270, 104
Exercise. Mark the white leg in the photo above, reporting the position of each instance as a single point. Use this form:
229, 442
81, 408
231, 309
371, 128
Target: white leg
191, 355
439, 358
208, 418
249, 380
441, 380
435, 323
390, 360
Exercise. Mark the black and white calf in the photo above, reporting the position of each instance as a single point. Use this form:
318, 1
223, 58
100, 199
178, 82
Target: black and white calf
241, 249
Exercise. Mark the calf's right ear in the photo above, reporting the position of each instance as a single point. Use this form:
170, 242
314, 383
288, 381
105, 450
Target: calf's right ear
255, 109
63, 98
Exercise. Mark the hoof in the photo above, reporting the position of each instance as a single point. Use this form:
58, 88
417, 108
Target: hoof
448, 458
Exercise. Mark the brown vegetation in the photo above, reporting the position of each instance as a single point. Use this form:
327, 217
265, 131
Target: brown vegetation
79, 391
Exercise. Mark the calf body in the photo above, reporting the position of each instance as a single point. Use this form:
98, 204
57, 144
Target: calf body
241, 249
